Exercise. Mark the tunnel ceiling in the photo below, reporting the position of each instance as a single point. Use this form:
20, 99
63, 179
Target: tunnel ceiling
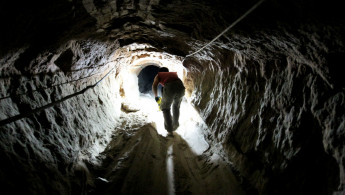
167, 25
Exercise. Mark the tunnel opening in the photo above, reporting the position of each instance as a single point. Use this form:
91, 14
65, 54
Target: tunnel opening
136, 81
140, 150
146, 77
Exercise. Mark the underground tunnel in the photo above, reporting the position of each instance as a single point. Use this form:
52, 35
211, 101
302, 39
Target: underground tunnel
263, 111
146, 77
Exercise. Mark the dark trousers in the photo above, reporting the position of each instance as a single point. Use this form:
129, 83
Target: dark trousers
173, 93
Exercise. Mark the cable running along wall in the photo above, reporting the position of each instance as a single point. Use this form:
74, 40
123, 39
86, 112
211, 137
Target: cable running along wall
21, 116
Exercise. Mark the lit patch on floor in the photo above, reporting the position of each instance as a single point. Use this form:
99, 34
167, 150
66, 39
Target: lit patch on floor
191, 128
170, 171
191, 124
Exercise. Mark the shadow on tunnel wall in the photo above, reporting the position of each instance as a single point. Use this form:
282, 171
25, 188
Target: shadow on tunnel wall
271, 124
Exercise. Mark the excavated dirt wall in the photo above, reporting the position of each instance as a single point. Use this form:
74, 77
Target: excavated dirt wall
279, 118
44, 152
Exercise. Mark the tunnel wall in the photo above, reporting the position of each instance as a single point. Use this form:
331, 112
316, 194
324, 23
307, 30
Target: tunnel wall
281, 96
279, 120
48, 152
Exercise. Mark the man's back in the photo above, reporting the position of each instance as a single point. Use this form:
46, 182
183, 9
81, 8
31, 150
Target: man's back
166, 77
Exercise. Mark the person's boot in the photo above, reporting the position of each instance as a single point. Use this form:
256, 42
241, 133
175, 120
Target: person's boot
170, 134
175, 126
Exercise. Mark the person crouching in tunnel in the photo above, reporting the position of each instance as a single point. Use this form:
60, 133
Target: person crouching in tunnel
173, 92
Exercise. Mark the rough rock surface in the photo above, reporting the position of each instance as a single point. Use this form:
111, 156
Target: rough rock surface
276, 119
270, 90
138, 154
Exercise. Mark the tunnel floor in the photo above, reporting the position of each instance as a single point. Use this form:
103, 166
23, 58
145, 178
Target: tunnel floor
142, 159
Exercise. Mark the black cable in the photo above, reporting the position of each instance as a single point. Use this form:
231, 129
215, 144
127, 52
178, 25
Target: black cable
21, 116
44, 88
228, 28
55, 85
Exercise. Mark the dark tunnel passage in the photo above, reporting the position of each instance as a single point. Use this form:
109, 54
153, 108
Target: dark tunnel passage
263, 114
146, 77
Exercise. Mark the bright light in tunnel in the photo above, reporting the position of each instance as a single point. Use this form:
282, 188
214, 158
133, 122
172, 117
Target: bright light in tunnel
170, 171
191, 125
108, 88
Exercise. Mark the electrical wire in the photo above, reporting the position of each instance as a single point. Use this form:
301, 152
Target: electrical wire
228, 28
23, 115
